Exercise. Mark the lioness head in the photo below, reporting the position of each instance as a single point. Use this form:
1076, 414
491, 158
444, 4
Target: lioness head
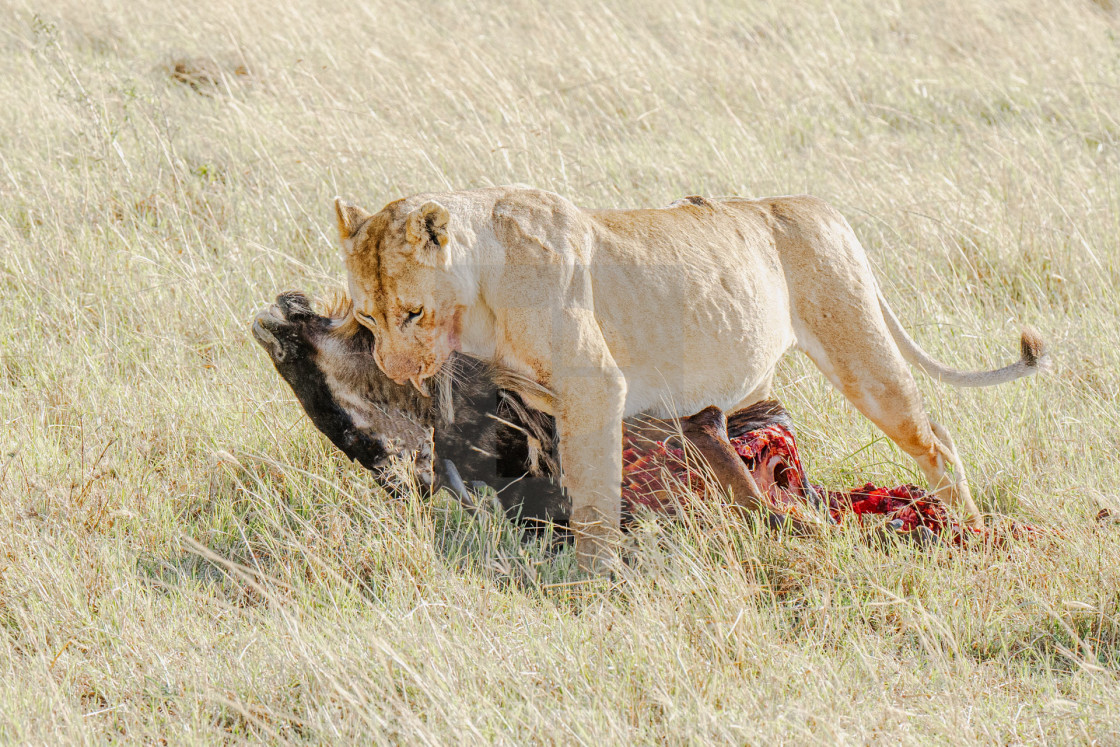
398, 263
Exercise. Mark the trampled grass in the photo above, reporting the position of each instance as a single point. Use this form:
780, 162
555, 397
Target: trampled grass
183, 557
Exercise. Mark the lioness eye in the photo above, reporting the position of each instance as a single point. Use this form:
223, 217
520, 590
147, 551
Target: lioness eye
366, 319
413, 315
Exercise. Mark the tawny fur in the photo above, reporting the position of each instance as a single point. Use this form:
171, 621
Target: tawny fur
665, 311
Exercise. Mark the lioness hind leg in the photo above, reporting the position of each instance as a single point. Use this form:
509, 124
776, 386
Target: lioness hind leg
877, 381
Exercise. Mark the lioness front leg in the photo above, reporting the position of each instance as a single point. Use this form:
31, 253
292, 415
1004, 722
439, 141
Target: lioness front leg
589, 426
590, 399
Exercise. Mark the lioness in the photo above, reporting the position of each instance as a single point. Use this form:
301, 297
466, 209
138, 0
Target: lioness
662, 310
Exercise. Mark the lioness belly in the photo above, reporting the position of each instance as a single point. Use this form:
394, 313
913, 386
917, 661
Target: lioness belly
724, 372
706, 331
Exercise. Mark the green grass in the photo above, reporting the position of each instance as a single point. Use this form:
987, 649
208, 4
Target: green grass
183, 557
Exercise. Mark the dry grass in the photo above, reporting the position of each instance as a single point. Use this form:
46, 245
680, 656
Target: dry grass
182, 557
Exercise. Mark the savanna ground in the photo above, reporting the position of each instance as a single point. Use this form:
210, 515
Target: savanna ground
183, 557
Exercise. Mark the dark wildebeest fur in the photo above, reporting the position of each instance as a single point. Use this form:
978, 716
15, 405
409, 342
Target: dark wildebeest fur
482, 433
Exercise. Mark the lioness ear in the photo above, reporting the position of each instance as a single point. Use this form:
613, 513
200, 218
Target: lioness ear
350, 219
426, 230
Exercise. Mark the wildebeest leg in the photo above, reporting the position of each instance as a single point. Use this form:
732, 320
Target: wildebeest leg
707, 432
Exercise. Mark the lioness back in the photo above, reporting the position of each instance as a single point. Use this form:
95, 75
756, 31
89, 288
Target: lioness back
694, 299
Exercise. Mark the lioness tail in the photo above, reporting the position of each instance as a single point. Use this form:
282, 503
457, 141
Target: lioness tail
1032, 358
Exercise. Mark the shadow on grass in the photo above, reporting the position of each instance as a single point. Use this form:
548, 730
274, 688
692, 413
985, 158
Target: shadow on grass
298, 529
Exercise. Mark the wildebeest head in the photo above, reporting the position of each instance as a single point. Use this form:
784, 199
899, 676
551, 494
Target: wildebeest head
354, 404
483, 433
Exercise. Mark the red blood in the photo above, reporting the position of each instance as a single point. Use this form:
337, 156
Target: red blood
654, 475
